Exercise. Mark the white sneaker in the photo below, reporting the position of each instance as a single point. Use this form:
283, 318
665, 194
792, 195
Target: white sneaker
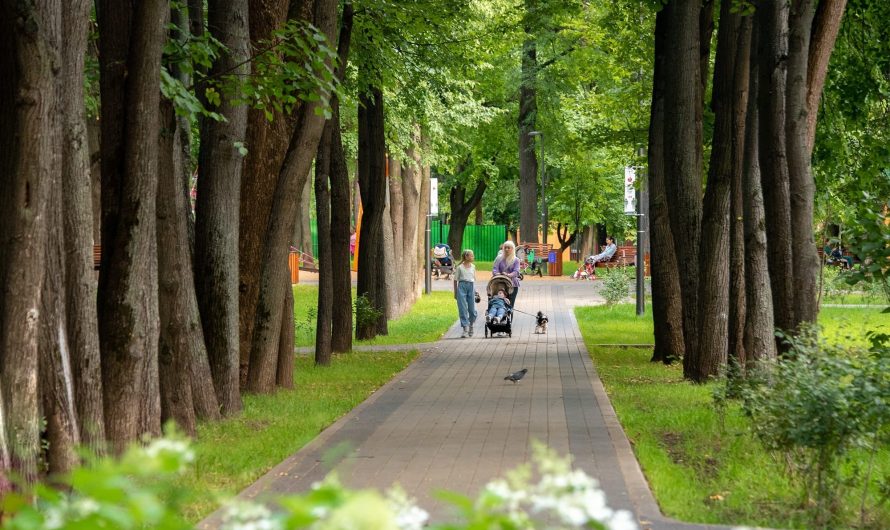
471, 331
464, 334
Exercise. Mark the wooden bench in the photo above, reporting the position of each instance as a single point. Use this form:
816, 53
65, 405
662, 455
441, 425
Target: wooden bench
541, 252
624, 256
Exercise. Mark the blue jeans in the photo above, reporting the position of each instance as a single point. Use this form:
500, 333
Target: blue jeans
466, 303
497, 312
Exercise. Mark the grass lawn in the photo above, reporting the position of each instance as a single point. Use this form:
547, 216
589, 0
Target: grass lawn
698, 470
427, 320
231, 454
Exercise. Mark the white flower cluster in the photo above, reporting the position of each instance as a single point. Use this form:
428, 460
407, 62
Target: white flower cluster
67, 510
249, 516
171, 448
408, 515
570, 496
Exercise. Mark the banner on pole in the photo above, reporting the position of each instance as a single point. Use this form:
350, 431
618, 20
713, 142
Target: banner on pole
434, 196
630, 194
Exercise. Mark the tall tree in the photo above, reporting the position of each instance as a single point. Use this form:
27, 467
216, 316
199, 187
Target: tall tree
667, 306
528, 110
772, 19
80, 280
461, 208
372, 185
291, 177
324, 314
713, 260
130, 43
216, 208
759, 323
683, 150
826, 24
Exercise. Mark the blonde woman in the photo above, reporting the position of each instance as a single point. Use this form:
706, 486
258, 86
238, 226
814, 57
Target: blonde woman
508, 265
464, 292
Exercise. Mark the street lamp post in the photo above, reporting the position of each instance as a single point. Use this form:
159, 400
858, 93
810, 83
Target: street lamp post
543, 186
642, 234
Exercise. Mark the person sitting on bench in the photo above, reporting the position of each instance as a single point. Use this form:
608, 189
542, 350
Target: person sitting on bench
606, 254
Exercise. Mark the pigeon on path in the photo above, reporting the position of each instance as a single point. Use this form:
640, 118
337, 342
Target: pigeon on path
516, 376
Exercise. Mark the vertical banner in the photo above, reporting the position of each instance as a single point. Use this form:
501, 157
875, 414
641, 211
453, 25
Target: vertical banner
434, 196
630, 194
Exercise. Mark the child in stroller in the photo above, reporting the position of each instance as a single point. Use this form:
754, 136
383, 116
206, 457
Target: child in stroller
499, 314
442, 263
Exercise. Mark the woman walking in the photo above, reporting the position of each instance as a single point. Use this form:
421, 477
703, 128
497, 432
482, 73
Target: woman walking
508, 265
464, 292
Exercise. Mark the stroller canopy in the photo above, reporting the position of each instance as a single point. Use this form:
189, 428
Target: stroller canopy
499, 282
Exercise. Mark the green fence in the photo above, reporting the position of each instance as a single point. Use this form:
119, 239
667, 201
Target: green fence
485, 240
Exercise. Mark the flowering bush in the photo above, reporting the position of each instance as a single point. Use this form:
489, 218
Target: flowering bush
135, 492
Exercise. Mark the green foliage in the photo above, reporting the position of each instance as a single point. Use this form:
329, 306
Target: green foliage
296, 64
137, 491
815, 407
108, 498
365, 312
616, 285
871, 243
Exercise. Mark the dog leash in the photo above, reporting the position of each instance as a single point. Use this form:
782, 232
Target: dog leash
524, 313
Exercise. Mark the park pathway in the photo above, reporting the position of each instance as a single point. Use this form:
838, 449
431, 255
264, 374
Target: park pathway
450, 421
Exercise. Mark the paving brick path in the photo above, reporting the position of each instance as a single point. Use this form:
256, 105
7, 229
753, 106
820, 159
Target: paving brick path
450, 421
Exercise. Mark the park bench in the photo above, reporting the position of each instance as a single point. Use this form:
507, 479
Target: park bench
541, 252
625, 255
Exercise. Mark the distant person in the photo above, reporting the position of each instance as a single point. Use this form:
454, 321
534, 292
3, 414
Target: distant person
606, 254
352, 245
465, 293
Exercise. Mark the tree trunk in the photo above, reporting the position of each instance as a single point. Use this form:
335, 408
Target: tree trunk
389, 282
325, 305
216, 218
826, 25
396, 206
759, 323
706, 35
713, 309
293, 174
460, 212
341, 277
801, 183
80, 279
28, 44
372, 185
737, 309
186, 383
302, 233
422, 249
528, 110
667, 307
130, 44
284, 376
683, 153
267, 144
772, 17
411, 175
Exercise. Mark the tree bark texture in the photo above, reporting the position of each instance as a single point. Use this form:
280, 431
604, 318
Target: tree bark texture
267, 143
186, 383
772, 17
683, 153
372, 185
28, 51
341, 276
389, 283
284, 377
294, 172
324, 316
801, 183
528, 111
713, 308
130, 42
411, 225
737, 309
216, 208
825, 27
759, 322
667, 306
77, 190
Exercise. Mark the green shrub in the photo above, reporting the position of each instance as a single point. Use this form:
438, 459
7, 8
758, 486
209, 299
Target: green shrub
616, 285
815, 406
365, 312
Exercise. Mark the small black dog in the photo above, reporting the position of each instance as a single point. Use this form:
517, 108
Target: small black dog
541, 326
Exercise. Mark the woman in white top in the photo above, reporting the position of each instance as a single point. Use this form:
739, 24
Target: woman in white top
464, 292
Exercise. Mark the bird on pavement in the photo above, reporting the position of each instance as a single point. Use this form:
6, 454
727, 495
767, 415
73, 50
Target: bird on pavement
516, 376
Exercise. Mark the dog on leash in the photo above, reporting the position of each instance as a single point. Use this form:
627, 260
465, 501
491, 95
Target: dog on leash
541, 323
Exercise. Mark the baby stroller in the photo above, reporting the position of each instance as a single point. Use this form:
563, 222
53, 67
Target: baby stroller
528, 263
499, 282
442, 262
